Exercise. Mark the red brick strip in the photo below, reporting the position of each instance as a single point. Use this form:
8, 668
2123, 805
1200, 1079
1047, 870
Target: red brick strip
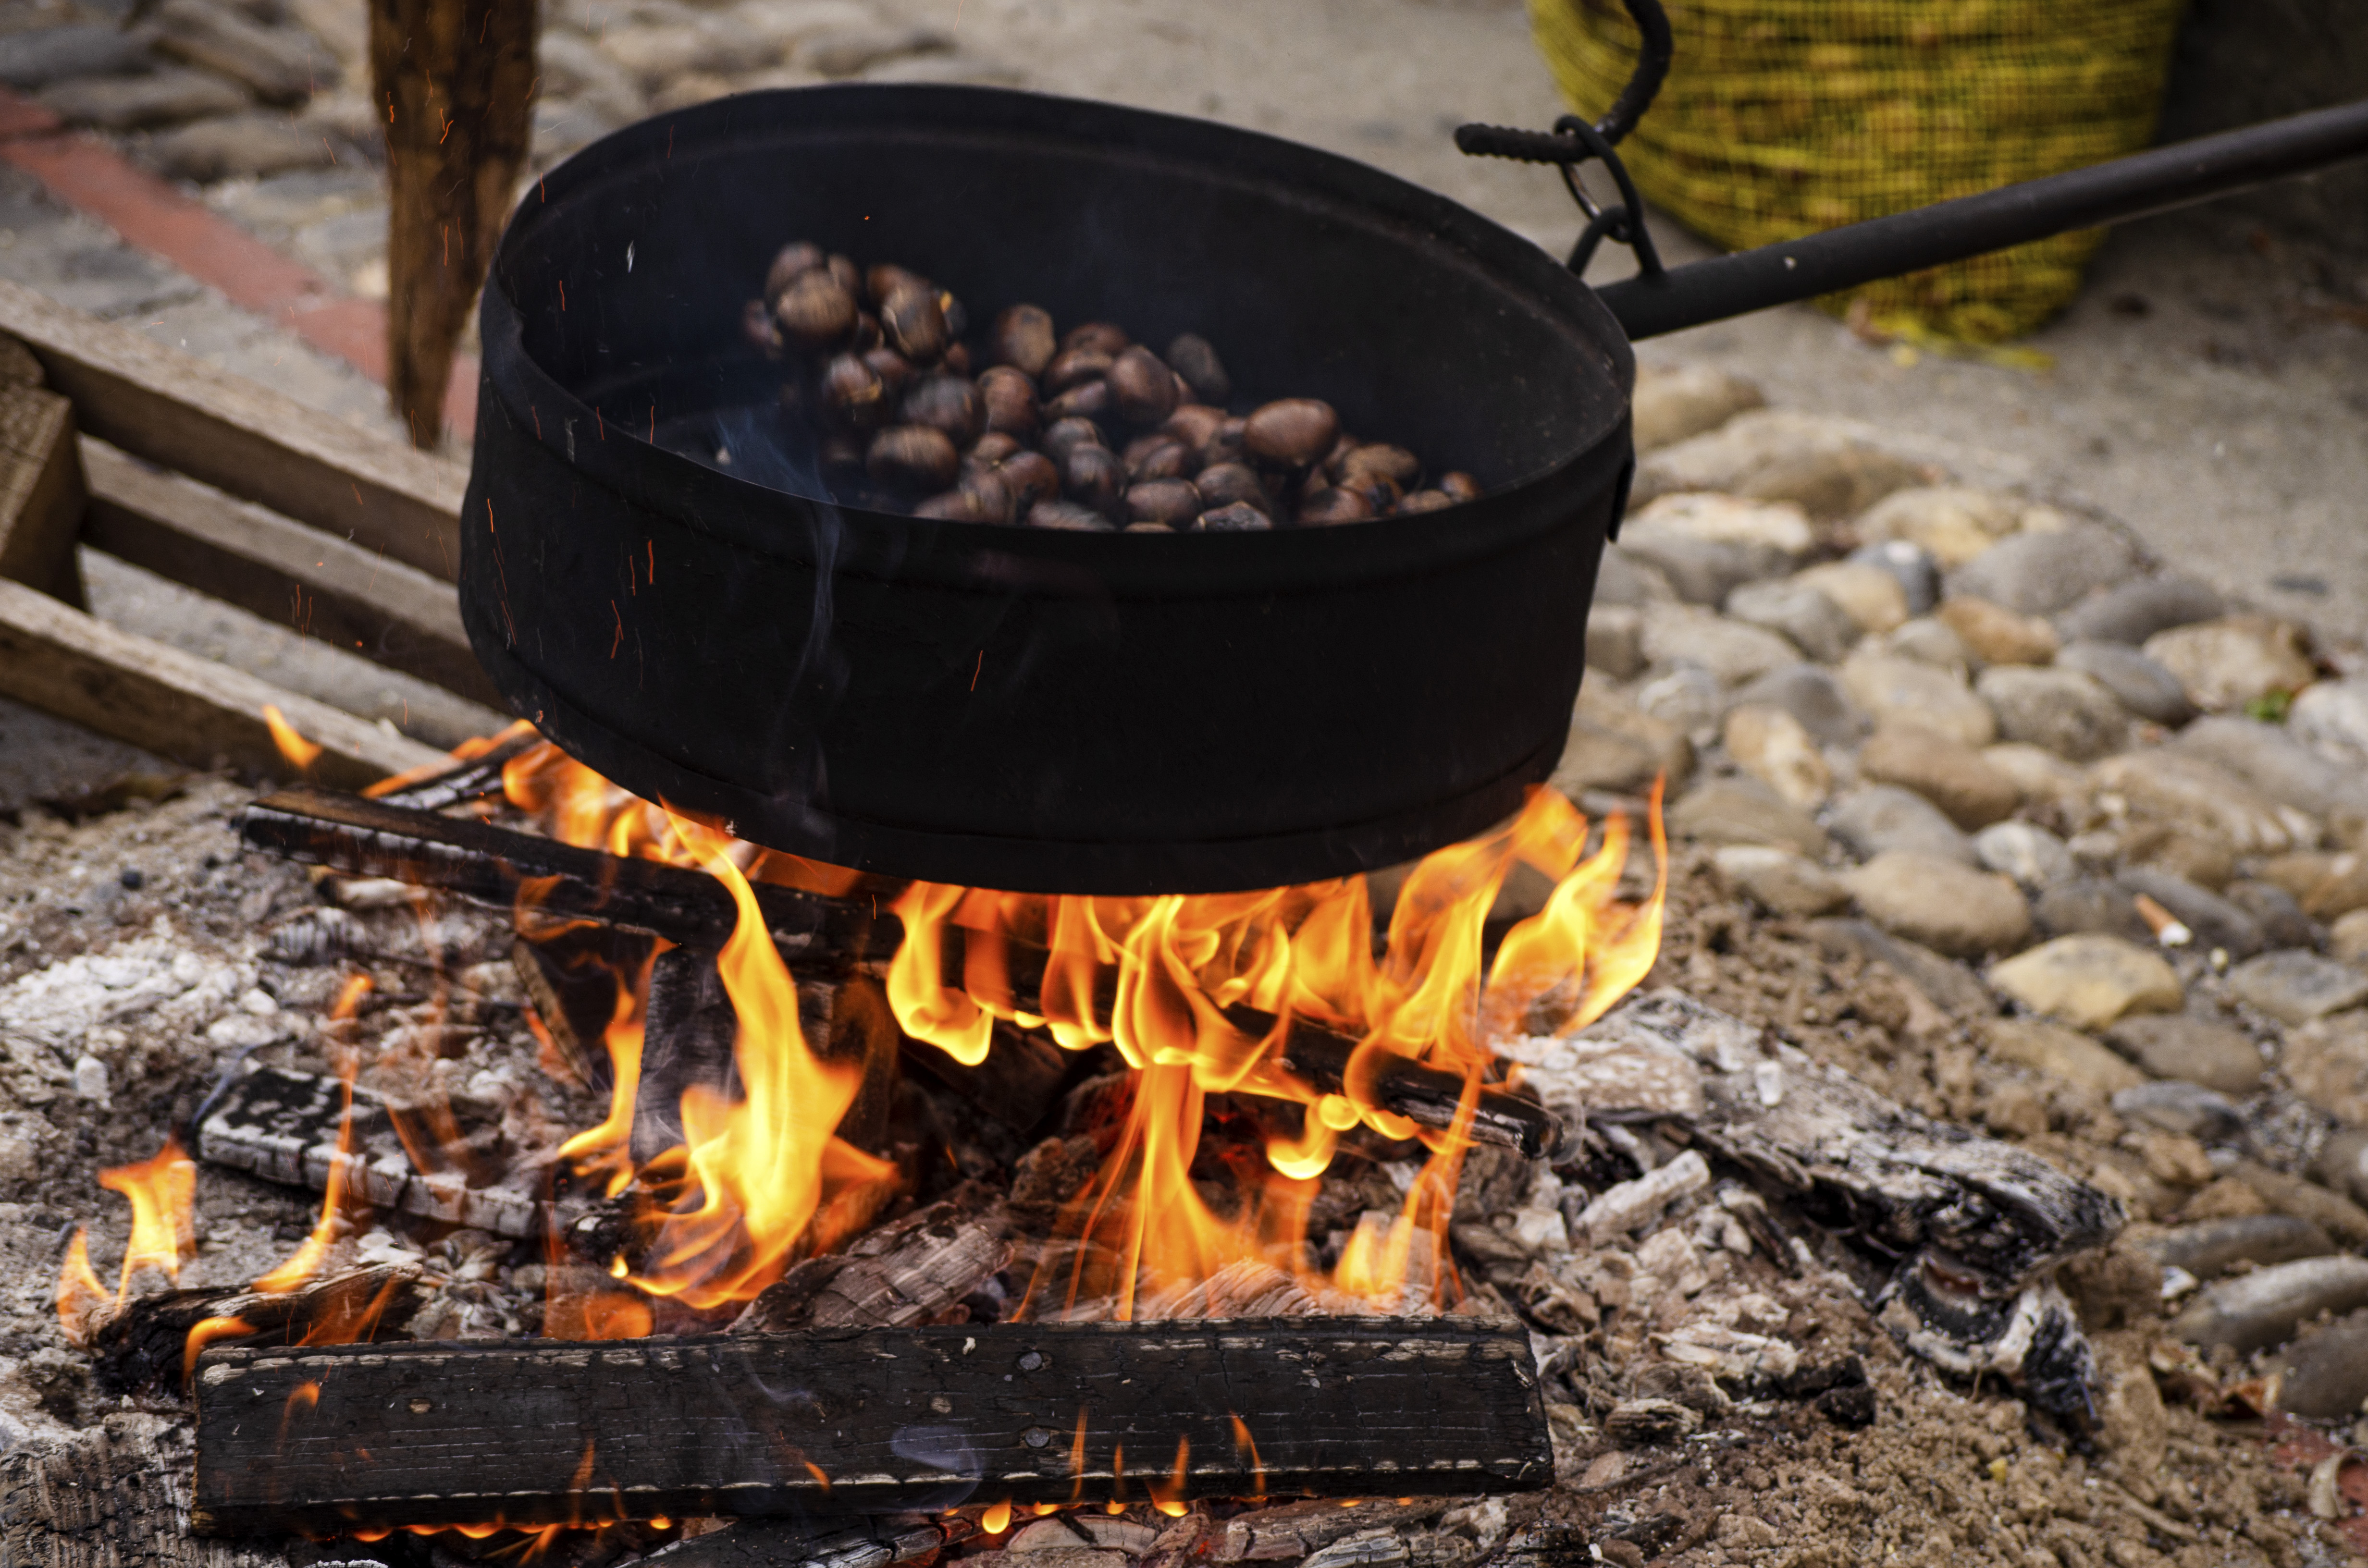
89, 176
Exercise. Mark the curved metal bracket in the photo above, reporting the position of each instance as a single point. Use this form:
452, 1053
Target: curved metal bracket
1573, 143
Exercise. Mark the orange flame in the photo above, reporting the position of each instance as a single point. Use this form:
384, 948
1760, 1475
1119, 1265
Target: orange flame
761, 1179
299, 752
205, 1333
305, 1261
1164, 979
162, 1189
467, 751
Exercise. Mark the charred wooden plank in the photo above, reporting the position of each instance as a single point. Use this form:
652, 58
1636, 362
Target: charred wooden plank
283, 1126
871, 1420
40, 480
142, 1344
487, 864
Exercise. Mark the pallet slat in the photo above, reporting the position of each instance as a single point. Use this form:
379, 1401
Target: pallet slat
65, 662
250, 556
180, 412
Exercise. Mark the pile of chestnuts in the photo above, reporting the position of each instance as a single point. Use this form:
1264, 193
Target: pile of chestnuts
1084, 429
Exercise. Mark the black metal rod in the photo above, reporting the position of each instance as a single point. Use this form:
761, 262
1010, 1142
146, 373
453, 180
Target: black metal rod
2115, 192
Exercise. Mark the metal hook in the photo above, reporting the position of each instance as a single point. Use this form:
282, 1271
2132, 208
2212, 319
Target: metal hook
1574, 141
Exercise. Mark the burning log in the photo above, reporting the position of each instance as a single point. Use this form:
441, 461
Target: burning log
487, 864
146, 1342
531, 1432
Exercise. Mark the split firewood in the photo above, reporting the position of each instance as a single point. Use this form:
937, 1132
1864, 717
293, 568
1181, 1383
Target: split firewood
485, 864
910, 1271
872, 1420
571, 977
143, 1345
1968, 1229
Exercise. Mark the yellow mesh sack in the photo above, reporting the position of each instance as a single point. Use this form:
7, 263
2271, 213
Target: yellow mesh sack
1781, 118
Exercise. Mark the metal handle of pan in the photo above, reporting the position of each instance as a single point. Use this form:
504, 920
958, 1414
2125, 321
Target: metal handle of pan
1573, 143
2139, 186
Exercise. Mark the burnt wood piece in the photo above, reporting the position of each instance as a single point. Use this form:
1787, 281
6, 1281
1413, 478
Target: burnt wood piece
692, 1038
823, 1543
572, 979
1021, 1080
141, 1345
478, 861
486, 864
895, 1275
115, 1495
1425, 1096
282, 1125
1964, 1232
472, 779
869, 1420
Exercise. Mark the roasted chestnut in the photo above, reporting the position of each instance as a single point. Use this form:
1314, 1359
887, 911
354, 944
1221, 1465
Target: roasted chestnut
1093, 477
1067, 515
1157, 457
1222, 484
884, 279
1195, 359
912, 457
1396, 464
1170, 501
1424, 501
793, 262
1103, 336
853, 395
1459, 485
1010, 400
914, 323
1141, 386
1023, 338
814, 312
950, 403
1319, 508
1290, 432
1194, 424
1030, 477
1073, 366
1069, 434
1087, 400
1237, 518
994, 446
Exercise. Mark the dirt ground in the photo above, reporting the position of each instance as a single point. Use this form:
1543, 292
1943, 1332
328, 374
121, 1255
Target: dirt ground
1943, 1472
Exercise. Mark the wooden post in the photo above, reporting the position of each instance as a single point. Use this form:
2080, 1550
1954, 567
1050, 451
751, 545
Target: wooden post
452, 77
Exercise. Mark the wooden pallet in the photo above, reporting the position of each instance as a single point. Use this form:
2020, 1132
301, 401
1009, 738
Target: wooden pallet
110, 439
